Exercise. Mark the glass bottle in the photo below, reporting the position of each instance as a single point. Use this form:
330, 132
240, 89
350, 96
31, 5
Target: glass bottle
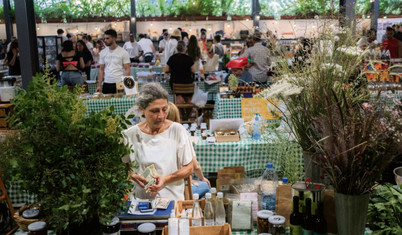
220, 215
320, 225
295, 218
197, 212
307, 221
209, 215
213, 197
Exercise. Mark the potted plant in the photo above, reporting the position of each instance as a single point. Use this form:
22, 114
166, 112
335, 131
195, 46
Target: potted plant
70, 160
332, 114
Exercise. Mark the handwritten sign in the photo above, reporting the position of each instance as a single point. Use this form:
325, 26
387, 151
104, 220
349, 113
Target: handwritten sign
249, 107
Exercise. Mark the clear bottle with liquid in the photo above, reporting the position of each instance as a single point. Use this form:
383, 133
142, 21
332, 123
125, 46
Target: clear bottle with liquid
196, 212
256, 127
209, 215
269, 183
220, 215
213, 197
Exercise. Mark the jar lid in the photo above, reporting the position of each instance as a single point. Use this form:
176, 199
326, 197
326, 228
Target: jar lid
30, 213
264, 234
264, 214
276, 220
146, 228
37, 226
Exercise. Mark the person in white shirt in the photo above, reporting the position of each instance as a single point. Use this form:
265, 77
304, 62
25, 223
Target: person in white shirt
87, 39
171, 46
163, 42
147, 47
133, 48
60, 33
160, 142
212, 63
112, 61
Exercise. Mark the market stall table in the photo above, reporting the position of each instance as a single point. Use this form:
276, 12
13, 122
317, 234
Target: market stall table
133, 71
121, 105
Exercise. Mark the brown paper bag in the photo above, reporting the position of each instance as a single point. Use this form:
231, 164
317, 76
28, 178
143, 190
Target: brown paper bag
283, 203
329, 210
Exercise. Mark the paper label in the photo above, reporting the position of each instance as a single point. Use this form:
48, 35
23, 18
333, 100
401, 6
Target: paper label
295, 230
253, 197
241, 215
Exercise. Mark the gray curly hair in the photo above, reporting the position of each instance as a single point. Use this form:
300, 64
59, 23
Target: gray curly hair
149, 93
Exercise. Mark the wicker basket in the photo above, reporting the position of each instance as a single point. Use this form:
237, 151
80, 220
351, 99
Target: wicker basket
21, 221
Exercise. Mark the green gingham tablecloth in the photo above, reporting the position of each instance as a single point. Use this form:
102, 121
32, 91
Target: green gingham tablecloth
18, 196
121, 105
388, 96
227, 108
133, 71
252, 154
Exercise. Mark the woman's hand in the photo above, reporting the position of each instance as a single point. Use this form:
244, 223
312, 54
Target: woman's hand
155, 188
206, 181
141, 181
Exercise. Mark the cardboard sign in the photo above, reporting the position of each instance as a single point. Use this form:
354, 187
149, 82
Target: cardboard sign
249, 107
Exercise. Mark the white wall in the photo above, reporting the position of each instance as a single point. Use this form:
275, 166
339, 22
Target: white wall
282, 28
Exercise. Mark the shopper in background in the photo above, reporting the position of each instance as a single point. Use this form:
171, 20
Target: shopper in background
112, 61
184, 35
99, 46
194, 51
237, 68
86, 55
163, 42
212, 63
69, 62
13, 38
60, 33
162, 34
219, 50
180, 66
87, 40
368, 41
154, 136
260, 57
398, 34
12, 59
393, 45
171, 46
147, 47
133, 48
203, 42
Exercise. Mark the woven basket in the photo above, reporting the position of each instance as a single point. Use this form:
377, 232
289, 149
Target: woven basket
21, 221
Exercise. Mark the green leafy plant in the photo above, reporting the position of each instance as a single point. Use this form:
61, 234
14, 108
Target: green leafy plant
385, 210
70, 160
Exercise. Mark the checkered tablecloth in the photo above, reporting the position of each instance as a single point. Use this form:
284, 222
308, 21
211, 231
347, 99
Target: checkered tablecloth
121, 105
388, 97
18, 196
133, 71
227, 108
252, 154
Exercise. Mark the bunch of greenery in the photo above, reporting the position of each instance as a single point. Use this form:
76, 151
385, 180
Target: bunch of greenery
330, 112
71, 161
385, 210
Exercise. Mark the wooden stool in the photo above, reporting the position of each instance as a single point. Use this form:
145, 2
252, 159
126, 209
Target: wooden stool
188, 89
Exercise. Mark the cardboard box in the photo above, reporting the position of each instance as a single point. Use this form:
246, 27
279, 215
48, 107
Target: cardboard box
227, 136
206, 230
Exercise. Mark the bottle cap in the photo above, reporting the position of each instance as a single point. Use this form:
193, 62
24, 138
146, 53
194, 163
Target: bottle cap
196, 196
264, 214
172, 214
285, 180
212, 190
220, 195
277, 220
37, 226
270, 165
208, 196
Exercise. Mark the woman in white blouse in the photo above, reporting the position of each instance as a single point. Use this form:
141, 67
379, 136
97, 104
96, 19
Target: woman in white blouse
160, 142
171, 46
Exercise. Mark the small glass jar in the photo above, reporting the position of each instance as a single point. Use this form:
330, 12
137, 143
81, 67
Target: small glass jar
262, 221
277, 225
37, 228
112, 228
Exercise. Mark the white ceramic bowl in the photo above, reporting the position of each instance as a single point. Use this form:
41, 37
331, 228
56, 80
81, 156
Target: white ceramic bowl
398, 175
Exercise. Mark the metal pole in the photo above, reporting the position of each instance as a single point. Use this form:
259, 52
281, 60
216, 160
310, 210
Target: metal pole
347, 10
255, 12
133, 19
8, 20
28, 47
374, 13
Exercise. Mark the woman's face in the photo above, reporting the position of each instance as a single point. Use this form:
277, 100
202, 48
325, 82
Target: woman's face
80, 47
156, 112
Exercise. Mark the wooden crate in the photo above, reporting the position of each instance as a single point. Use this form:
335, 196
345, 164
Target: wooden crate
229, 137
187, 204
206, 230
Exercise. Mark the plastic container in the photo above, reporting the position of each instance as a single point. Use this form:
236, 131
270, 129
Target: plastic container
147, 228
262, 221
256, 127
269, 183
277, 225
7, 93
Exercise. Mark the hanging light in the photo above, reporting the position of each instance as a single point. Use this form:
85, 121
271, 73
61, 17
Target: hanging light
209, 29
190, 30
115, 23
228, 26
151, 24
257, 17
247, 19
132, 19
170, 28
37, 28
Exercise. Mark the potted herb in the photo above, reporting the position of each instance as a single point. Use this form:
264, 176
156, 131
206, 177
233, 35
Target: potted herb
71, 161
